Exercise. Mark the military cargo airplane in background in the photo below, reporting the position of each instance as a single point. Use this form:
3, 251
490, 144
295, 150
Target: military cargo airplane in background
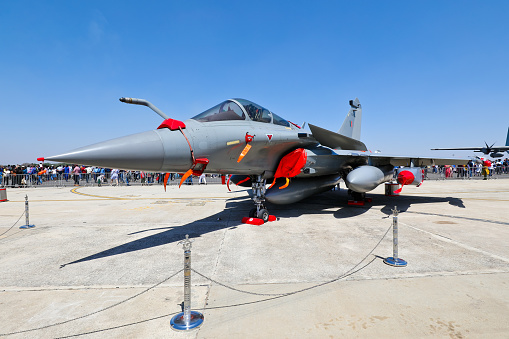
493, 151
257, 146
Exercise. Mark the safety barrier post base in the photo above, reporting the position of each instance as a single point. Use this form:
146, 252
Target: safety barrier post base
178, 322
396, 262
27, 226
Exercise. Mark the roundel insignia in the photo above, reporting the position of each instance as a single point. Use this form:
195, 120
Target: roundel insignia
269, 136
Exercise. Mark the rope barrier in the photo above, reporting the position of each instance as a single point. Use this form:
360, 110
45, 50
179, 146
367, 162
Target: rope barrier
22, 214
219, 307
98, 311
298, 291
274, 296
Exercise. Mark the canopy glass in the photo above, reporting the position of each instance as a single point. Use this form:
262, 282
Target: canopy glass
236, 109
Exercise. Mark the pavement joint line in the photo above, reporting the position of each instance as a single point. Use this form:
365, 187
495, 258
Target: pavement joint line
467, 247
459, 217
378, 208
460, 192
430, 275
179, 285
209, 284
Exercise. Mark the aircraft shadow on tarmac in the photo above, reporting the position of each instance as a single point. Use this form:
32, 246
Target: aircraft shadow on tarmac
333, 199
236, 208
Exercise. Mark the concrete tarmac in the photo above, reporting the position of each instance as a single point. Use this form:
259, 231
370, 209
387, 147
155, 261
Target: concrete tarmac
104, 262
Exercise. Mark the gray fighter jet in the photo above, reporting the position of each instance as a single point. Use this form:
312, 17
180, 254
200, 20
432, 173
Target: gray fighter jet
493, 151
257, 146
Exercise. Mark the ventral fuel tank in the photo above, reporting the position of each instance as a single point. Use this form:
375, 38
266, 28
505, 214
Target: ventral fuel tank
300, 188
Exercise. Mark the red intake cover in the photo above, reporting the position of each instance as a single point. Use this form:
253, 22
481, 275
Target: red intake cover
291, 164
405, 178
172, 124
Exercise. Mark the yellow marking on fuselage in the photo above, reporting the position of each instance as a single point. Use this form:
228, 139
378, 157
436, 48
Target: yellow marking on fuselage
233, 142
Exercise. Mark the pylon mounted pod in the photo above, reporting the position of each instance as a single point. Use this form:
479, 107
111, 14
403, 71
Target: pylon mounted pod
394, 260
27, 223
187, 320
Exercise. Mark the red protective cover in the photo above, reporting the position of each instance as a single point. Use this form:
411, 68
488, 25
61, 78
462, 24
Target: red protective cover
291, 164
406, 177
252, 221
172, 124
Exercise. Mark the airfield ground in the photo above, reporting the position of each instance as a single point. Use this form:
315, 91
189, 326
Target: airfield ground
94, 249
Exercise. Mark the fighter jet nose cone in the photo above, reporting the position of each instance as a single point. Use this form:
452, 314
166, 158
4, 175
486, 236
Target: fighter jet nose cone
142, 151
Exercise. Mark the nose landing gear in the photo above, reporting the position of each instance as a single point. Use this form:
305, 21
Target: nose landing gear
259, 212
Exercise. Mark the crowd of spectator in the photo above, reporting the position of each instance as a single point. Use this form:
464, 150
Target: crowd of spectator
37, 174
484, 168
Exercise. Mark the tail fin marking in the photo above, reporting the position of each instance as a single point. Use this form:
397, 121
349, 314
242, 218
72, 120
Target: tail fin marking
352, 125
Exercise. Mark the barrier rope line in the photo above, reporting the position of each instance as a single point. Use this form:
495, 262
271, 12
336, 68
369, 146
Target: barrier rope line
350, 272
291, 293
219, 307
119, 326
298, 291
98, 311
22, 214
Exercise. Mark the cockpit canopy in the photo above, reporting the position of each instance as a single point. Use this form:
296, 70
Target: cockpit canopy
240, 109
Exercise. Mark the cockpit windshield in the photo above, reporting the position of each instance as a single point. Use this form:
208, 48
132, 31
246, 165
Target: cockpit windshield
227, 110
230, 110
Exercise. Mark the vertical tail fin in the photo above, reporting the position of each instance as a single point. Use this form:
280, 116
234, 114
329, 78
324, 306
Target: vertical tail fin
352, 125
507, 140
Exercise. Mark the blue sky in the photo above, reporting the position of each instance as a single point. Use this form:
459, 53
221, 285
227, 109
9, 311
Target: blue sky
428, 73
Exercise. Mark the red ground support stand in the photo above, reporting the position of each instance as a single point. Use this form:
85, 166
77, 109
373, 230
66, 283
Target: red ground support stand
356, 203
257, 221
252, 221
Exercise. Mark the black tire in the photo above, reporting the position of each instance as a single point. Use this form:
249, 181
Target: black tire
263, 214
252, 213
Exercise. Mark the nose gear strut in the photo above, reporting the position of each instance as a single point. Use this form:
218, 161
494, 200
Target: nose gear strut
259, 214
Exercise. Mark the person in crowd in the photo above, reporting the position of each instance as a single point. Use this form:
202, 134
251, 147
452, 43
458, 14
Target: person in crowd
202, 179
88, 174
66, 173
114, 177
76, 174
100, 179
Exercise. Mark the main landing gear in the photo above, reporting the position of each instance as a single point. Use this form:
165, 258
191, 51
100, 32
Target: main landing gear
259, 214
357, 199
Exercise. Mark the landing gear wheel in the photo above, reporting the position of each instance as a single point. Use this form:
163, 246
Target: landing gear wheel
356, 195
263, 214
252, 213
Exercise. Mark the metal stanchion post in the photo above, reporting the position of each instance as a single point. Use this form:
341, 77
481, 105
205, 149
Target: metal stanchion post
188, 319
27, 224
394, 260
